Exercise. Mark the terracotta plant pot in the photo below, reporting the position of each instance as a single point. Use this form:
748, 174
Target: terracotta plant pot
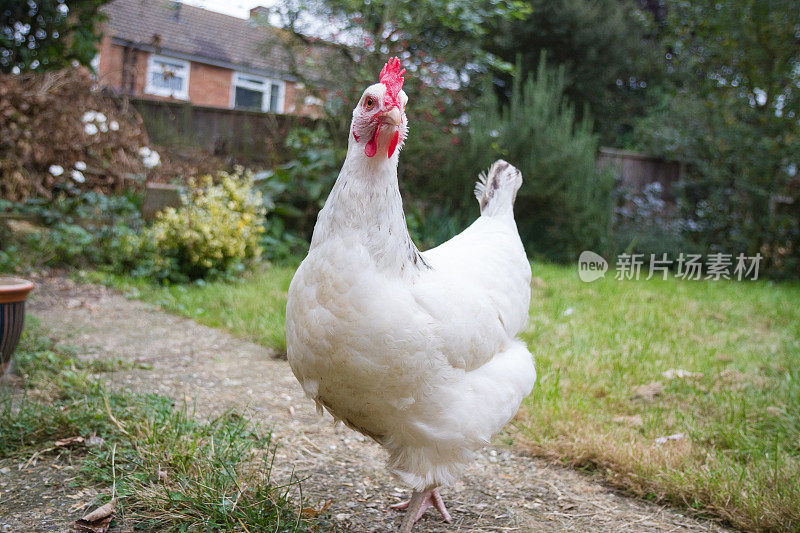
13, 293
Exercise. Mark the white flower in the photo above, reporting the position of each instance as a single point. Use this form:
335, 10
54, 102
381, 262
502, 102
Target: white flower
152, 159
99, 117
56, 170
80, 165
568, 311
114, 125
89, 116
77, 176
144, 151
90, 128
103, 127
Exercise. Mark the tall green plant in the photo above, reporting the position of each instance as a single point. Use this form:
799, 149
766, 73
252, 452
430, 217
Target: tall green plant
565, 203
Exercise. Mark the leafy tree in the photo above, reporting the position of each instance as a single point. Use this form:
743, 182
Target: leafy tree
733, 117
47, 34
438, 42
607, 48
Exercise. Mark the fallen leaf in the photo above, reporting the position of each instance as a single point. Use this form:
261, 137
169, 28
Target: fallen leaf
648, 391
162, 475
64, 443
98, 520
310, 512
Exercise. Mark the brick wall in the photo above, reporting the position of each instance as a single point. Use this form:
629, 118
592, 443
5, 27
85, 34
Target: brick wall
210, 86
290, 98
295, 101
122, 69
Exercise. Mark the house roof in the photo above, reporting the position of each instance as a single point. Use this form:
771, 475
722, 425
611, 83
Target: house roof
190, 32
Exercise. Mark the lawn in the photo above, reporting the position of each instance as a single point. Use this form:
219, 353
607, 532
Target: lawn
738, 414
613, 359
167, 468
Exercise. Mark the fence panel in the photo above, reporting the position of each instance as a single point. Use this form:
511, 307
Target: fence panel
225, 132
635, 171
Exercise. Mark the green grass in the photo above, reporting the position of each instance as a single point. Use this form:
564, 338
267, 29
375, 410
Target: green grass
168, 468
595, 342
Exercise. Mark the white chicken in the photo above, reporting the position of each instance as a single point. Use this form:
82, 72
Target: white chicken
415, 350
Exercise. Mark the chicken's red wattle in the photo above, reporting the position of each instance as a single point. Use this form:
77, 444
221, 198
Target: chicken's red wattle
371, 147
393, 143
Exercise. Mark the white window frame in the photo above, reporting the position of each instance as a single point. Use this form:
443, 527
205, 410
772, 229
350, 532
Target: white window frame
153, 63
263, 84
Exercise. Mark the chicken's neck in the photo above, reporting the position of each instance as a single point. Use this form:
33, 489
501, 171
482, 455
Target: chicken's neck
365, 208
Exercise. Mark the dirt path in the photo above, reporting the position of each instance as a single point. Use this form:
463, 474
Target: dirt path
503, 491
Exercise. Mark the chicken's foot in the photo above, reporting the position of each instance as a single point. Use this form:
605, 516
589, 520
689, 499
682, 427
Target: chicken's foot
418, 504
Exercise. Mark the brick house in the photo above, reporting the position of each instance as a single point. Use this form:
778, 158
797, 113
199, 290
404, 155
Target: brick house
162, 49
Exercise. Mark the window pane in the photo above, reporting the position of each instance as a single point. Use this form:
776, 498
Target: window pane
165, 79
248, 98
274, 93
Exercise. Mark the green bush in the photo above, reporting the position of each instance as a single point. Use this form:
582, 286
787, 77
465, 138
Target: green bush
215, 233
737, 200
71, 229
294, 192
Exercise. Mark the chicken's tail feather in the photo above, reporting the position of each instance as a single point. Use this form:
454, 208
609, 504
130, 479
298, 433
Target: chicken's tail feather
497, 188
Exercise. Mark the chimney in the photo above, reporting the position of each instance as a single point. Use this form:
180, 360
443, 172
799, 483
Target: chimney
259, 14
176, 11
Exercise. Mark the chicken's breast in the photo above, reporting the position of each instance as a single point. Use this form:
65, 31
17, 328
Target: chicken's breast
424, 362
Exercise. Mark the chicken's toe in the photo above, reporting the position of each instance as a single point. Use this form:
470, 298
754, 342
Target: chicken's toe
418, 504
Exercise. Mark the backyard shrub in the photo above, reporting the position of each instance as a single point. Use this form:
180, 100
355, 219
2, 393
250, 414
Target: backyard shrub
71, 229
295, 191
215, 234
645, 224
737, 200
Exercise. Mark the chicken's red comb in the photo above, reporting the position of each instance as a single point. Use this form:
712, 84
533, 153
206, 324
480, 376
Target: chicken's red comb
392, 77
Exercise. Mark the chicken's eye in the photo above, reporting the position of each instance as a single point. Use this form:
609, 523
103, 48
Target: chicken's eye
369, 103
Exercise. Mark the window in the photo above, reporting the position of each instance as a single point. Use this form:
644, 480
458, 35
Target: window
167, 77
257, 93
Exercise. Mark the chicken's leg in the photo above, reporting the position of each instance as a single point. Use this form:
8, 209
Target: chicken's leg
418, 504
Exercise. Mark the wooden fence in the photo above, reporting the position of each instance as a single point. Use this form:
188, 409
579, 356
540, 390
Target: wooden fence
635, 171
225, 132
260, 137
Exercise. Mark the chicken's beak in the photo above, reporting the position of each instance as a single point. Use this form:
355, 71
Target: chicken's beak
394, 116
